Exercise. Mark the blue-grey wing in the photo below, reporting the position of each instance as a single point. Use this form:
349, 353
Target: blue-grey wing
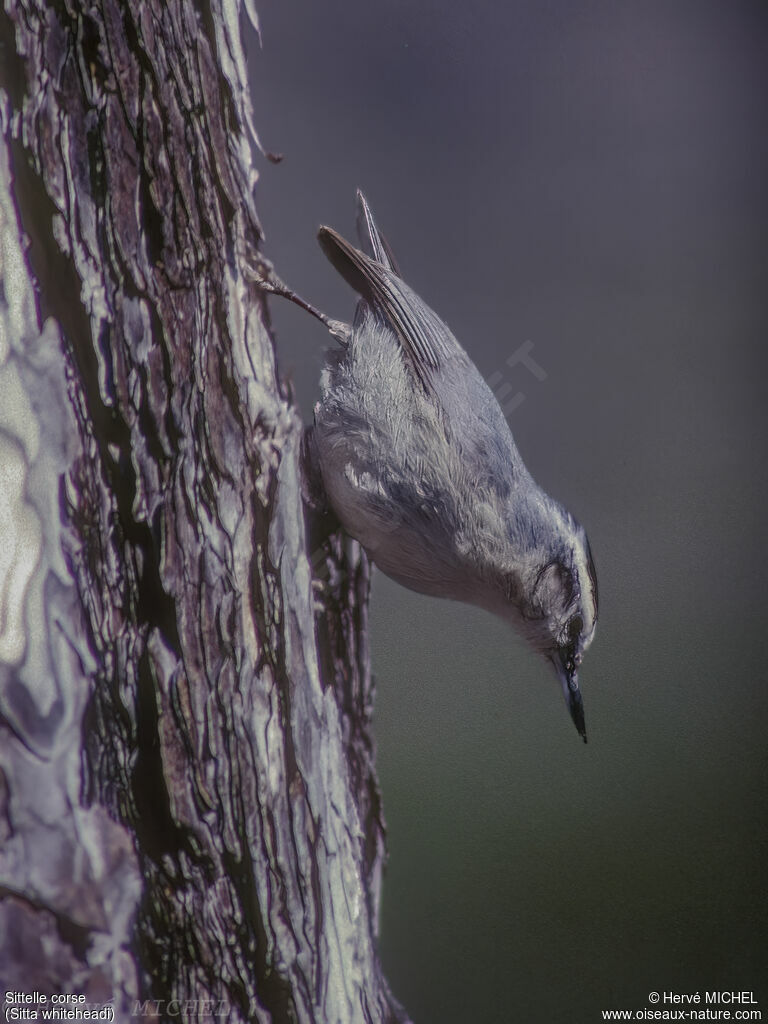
438, 366
424, 338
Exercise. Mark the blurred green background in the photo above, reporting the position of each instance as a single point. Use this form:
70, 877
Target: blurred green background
590, 177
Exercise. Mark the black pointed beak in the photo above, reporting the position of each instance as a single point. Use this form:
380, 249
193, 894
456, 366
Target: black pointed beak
576, 707
569, 681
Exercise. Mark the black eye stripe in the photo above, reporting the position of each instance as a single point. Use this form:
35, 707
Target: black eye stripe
592, 574
575, 627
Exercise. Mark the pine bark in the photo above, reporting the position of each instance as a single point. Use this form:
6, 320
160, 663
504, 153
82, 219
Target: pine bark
190, 820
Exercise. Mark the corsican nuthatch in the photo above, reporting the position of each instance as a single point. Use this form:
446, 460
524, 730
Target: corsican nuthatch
421, 468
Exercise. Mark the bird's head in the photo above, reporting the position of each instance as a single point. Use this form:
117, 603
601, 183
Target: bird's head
559, 609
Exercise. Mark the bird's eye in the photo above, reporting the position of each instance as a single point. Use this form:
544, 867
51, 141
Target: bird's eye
575, 627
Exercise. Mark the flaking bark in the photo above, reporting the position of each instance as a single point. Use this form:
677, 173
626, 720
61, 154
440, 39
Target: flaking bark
189, 815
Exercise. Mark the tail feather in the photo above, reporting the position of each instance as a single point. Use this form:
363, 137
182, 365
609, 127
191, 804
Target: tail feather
372, 242
424, 338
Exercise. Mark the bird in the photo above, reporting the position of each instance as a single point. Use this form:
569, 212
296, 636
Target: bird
420, 466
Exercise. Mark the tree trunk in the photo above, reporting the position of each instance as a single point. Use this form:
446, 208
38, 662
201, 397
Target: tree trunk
189, 816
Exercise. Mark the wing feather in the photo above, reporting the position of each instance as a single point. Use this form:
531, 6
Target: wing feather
424, 338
